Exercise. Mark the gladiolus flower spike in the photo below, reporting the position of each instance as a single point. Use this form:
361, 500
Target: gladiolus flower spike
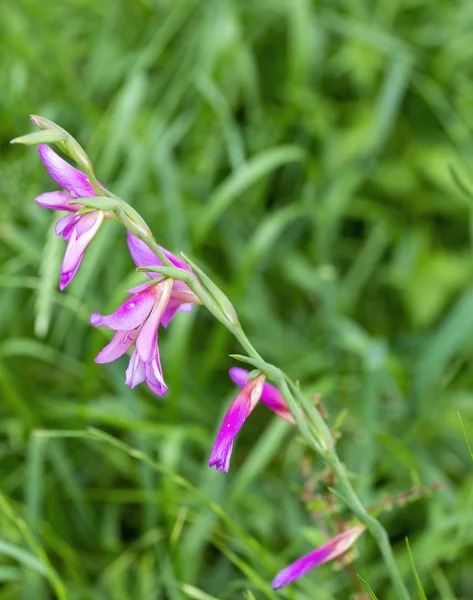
136, 322
332, 549
270, 396
77, 229
233, 421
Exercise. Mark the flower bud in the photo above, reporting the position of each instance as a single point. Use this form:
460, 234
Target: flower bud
66, 143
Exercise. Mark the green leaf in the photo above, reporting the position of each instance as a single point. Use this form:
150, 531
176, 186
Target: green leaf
420, 588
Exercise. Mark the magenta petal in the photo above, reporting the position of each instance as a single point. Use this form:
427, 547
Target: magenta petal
120, 343
233, 421
271, 396
333, 548
65, 175
143, 256
130, 315
81, 236
140, 288
57, 201
135, 372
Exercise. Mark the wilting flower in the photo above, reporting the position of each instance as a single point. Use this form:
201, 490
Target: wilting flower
270, 396
77, 230
137, 321
333, 548
233, 421
182, 297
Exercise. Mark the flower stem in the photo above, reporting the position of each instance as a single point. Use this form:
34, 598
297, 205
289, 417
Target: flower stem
309, 422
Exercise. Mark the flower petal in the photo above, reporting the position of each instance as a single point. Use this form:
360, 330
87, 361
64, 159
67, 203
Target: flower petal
57, 201
81, 236
271, 396
233, 421
147, 340
65, 225
130, 315
135, 372
120, 343
144, 257
154, 375
333, 548
141, 254
65, 175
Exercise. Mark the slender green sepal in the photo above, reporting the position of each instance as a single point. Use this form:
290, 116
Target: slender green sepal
98, 202
39, 137
173, 272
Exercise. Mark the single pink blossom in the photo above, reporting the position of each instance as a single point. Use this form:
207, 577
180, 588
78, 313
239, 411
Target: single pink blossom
332, 549
233, 421
77, 230
182, 297
271, 396
137, 322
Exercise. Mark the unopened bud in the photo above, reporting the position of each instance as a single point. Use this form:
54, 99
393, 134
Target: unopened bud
134, 222
215, 292
67, 143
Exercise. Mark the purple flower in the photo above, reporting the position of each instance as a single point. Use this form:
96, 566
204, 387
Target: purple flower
182, 297
271, 396
333, 548
136, 322
236, 415
77, 230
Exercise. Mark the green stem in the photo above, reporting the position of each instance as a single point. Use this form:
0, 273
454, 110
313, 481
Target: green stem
310, 424
373, 525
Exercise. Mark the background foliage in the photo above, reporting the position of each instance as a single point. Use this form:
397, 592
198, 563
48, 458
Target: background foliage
302, 151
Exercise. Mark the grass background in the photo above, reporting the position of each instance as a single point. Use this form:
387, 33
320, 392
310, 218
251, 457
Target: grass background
303, 152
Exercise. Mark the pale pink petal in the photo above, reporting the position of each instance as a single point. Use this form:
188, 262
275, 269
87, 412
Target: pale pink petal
154, 376
148, 337
80, 238
65, 225
130, 315
120, 343
57, 201
135, 373
332, 549
65, 175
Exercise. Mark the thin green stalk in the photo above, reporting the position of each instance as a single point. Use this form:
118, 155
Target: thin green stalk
309, 421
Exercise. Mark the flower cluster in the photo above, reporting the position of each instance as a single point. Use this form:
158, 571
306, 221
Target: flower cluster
137, 321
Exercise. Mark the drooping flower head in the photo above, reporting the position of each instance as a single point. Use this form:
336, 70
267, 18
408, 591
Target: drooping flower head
182, 297
233, 421
77, 230
270, 396
137, 322
332, 549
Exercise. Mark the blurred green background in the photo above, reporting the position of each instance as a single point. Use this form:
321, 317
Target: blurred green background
315, 157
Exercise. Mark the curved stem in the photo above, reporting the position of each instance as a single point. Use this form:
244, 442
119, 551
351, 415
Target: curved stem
309, 422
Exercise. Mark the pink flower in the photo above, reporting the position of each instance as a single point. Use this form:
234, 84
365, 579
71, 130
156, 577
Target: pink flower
182, 297
136, 322
333, 548
271, 396
77, 230
236, 415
